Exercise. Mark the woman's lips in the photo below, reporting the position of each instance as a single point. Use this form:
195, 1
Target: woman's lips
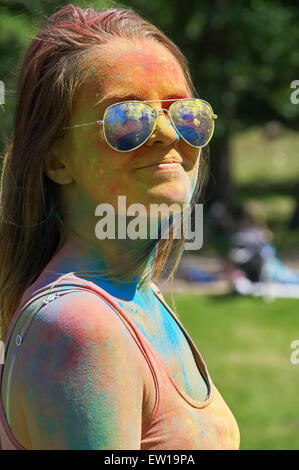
168, 166
163, 166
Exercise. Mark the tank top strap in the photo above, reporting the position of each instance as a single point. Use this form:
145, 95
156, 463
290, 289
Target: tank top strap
40, 298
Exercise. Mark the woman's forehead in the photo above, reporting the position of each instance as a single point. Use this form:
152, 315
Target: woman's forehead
128, 51
143, 68
137, 66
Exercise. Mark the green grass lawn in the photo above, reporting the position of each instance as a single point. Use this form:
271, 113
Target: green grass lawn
245, 343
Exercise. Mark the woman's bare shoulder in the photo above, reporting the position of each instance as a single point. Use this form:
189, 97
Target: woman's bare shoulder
71, 327
82, 308
75, 349
79, 315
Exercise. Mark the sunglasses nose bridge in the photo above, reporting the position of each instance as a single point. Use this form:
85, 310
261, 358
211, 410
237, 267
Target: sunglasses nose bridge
161, 111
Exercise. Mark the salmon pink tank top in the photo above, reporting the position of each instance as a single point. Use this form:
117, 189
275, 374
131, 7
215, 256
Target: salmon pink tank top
178, 422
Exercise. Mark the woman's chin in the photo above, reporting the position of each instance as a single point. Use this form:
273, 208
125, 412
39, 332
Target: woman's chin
173, 200
163, 198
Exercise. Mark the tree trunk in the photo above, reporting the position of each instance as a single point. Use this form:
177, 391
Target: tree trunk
294, 220
219, 186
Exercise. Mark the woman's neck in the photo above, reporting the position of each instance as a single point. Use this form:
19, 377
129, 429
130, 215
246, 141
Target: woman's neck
117, 256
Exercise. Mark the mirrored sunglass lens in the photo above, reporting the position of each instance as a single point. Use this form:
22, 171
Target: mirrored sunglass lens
128, 125
193, 120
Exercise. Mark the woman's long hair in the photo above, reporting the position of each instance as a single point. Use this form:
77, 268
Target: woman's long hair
53, 69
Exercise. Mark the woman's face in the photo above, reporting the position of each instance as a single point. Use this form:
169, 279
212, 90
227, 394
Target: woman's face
143, 70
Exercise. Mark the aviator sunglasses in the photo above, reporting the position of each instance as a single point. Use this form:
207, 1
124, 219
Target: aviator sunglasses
129, 124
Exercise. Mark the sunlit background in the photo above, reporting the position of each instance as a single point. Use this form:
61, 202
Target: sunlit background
243, 56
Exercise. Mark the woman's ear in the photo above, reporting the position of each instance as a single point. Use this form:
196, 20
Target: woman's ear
56, 168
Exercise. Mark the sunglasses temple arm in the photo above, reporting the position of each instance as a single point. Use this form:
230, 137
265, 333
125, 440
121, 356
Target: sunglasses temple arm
86, 124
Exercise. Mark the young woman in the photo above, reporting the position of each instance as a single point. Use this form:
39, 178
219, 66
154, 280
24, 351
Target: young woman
95, 358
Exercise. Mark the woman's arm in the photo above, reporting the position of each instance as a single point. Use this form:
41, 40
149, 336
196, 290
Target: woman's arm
81, 383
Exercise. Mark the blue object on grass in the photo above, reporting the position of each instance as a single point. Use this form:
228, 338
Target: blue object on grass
276, 271
196, 274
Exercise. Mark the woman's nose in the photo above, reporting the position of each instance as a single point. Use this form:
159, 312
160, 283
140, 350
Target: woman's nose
164, 132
